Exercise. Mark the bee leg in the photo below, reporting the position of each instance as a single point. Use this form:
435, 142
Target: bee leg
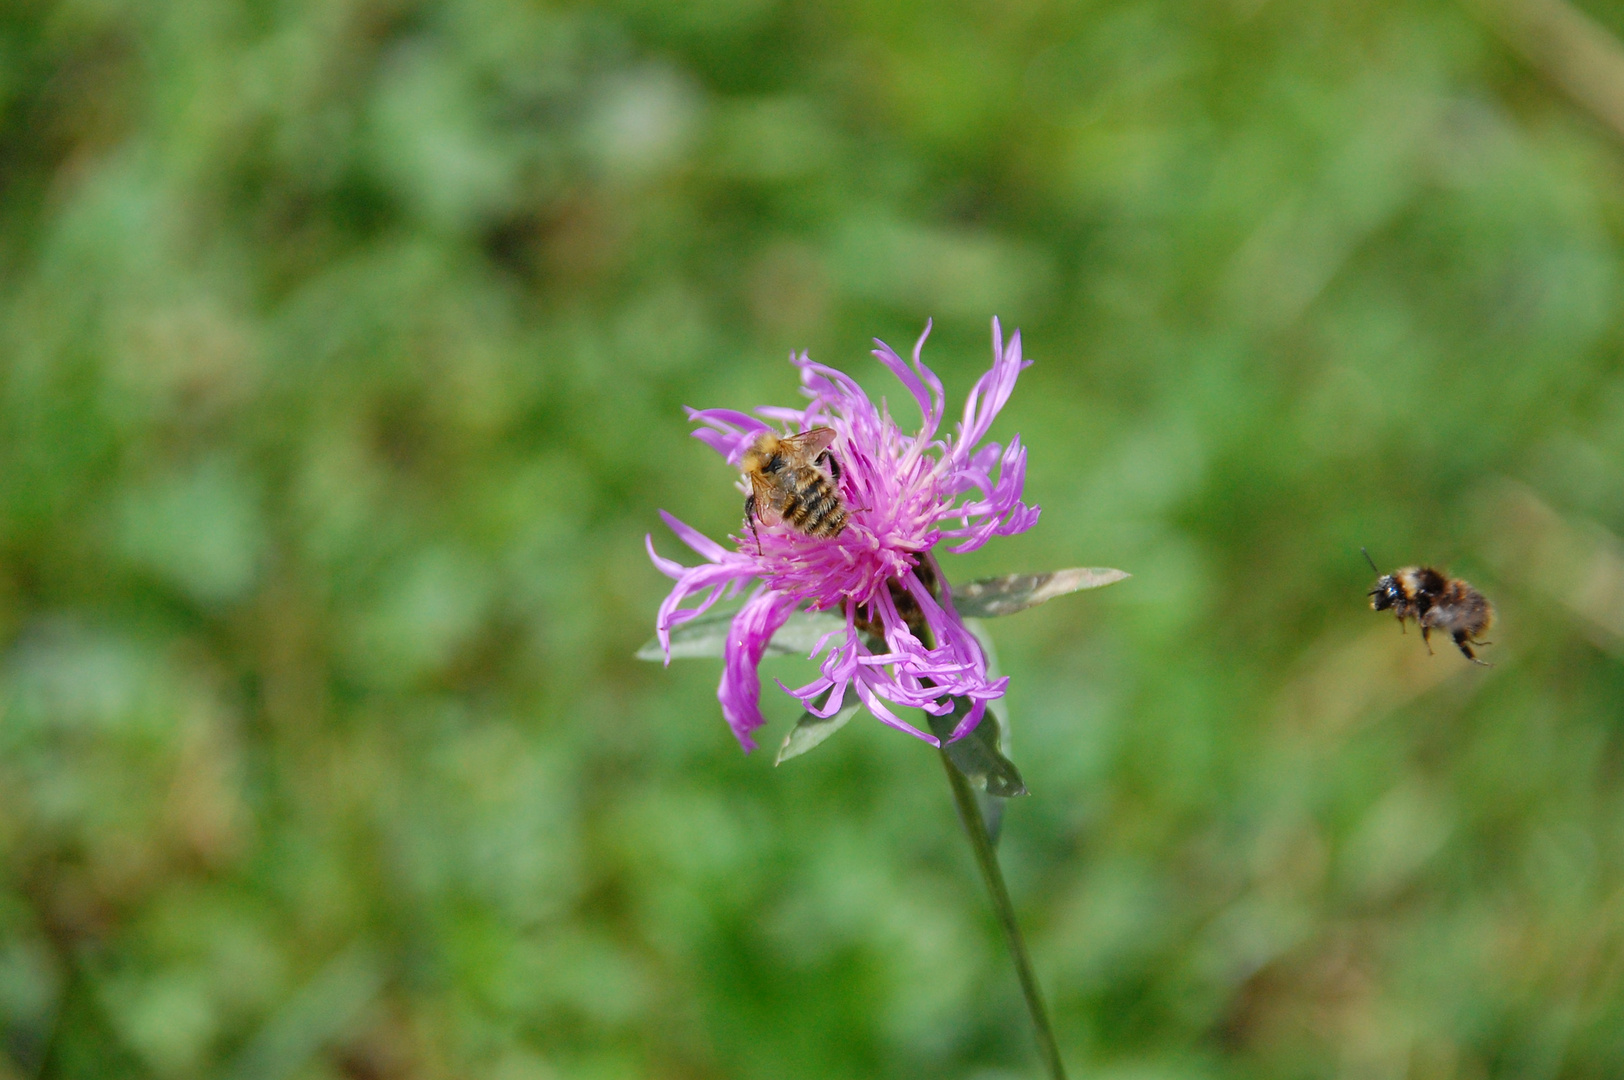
750, 519
1464, 644
1425, 632
829, 459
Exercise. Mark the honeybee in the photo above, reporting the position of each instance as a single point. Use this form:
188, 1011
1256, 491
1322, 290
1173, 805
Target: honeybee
1435, 602
792, 479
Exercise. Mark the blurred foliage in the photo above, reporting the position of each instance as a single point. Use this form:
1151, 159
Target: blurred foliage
342, 350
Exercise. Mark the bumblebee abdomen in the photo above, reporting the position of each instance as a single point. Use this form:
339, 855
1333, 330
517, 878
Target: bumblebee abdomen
1461, 608
813, 507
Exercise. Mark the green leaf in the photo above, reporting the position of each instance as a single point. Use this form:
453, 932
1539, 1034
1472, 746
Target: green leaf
977, 755
802, 630
702, 635
810, 731
991, 597
706, 635
992, 806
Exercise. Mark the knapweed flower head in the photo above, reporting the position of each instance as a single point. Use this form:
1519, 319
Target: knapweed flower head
902, 643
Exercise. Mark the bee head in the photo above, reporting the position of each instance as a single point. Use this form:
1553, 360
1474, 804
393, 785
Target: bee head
1386, 593
760, 454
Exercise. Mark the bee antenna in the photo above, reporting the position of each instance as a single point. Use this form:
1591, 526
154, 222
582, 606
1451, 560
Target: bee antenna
1371, 561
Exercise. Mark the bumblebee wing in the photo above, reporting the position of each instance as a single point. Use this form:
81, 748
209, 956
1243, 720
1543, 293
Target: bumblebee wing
809, 444
765, 500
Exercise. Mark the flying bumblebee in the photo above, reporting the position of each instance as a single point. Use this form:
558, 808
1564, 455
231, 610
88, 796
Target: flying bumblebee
792, 479
1435, 602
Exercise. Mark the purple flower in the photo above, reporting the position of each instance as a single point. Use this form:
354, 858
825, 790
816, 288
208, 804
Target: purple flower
904, 493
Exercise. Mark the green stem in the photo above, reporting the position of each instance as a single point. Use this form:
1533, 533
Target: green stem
987, 859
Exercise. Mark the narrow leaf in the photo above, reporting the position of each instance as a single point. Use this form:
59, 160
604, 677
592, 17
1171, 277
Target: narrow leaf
702, 635
811, 730
706, 635
801, 632
991, 806
1006, 595
977, 755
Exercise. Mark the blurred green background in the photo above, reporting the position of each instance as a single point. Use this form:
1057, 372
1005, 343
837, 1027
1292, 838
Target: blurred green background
342, 351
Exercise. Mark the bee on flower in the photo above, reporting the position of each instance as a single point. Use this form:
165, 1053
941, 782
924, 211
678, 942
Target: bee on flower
844, 511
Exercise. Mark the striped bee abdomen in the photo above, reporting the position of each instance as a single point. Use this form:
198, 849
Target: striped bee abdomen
812, 506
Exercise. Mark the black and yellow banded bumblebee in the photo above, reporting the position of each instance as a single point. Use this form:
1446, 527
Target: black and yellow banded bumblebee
1436, 602
793, 479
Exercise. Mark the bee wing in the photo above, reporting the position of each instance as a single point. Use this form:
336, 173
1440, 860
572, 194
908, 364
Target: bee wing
766, 500
809, 444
